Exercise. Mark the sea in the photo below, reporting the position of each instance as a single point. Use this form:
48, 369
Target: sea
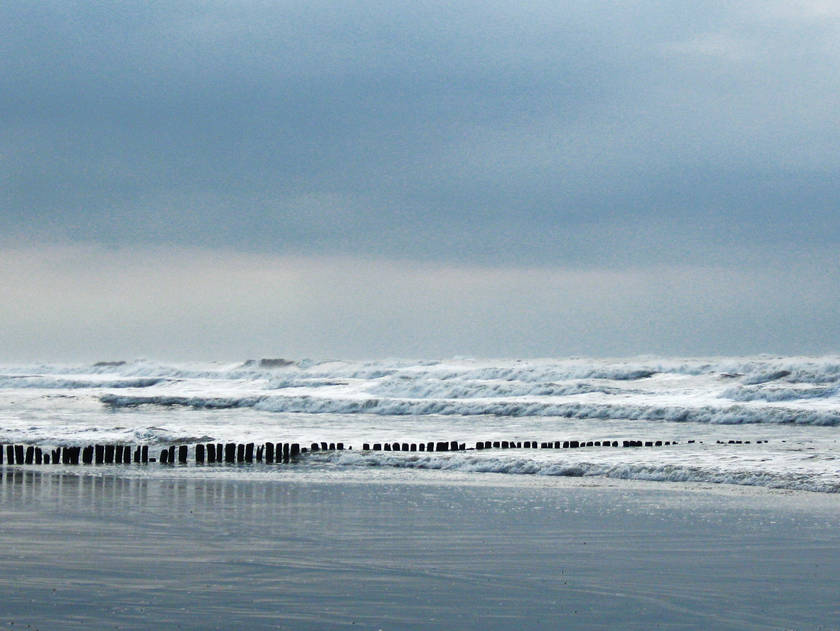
763, 421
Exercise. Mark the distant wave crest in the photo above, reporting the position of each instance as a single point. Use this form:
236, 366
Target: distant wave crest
728, 415
58, 383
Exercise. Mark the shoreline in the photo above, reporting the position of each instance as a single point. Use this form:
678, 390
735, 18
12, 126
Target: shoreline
424, 477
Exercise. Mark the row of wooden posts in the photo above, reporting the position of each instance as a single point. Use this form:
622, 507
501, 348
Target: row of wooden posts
126, 454
270, 453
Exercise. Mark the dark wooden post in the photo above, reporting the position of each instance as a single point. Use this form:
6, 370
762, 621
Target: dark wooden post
172, 454
29, 458
339, 446
144, 454
2, 451
164, 456
118, 452
182, 454
56, 455
199, 454
109, 454
249, 452
46, 459
230, 452
211, 453
137, 453
19, 457
39, 455
422, 447
87, 455
260, 452
293, 450
269, 452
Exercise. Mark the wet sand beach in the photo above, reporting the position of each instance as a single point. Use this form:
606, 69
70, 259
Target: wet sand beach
106, 550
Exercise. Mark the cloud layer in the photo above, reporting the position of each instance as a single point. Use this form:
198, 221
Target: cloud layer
479, 138
93, 303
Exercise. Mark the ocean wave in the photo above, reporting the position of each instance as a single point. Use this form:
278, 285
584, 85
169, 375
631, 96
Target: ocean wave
669, 472
165, 436
747, 371
304, 382
773, 394
728, 415
58, 383
201, 403
440, 389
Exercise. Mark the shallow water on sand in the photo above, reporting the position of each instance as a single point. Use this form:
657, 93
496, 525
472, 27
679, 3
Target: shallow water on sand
96, 550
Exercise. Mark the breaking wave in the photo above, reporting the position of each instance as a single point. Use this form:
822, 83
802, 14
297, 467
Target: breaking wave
725, 415
750, 371
749, 393
440, 389
57, 383
670, 472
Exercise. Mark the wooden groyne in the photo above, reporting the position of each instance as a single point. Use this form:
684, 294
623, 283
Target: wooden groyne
281, 453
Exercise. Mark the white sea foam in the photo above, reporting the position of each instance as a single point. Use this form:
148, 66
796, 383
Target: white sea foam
793, 401
59, 383
671, 468
726, 415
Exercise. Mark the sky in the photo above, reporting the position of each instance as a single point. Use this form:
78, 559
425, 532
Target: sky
221, 180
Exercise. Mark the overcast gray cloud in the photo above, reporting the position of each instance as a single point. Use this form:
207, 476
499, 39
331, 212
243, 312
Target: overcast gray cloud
91, 303
594, 136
